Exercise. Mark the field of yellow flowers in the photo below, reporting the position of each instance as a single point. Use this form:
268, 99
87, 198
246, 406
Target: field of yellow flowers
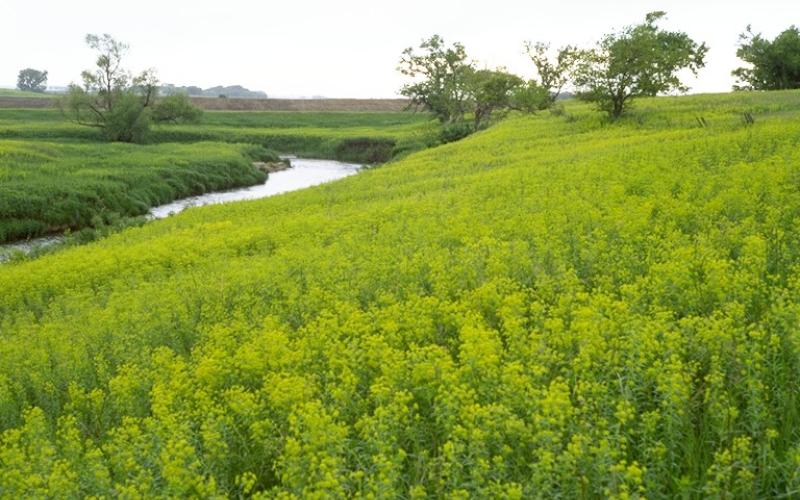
557, 307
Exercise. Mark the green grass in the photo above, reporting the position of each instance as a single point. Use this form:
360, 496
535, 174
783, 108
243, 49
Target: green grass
48, 187
319, 135
557, 307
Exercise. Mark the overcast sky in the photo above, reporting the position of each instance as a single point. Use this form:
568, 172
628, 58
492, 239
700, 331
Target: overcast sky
346, 48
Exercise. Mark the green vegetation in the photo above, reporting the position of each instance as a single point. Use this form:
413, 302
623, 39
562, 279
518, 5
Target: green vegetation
641, 60
557, 307
122, 107
32, 80
47, 187
57, 175
317, 135
462, 97
176, 108
772, 64
553, 71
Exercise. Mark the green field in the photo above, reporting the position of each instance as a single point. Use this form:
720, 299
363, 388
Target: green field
319, 135
557, 307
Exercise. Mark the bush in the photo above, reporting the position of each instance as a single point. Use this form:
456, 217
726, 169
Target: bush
455, 132
176, 108
531, 97
365, 150
128, 121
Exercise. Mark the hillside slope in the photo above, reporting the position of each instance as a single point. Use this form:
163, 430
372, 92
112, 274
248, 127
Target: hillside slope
556, 307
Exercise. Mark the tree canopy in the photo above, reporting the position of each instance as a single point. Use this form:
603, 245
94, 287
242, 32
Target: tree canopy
553, 71
32, 80
641, 60
442, 76
773, 64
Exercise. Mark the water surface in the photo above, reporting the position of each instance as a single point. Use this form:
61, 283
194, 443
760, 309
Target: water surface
303, 174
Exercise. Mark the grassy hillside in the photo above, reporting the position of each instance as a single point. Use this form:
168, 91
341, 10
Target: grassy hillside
358, 137
556, 307
48, 186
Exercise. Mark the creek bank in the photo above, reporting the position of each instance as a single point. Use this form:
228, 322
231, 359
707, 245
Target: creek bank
271, 167
289, 174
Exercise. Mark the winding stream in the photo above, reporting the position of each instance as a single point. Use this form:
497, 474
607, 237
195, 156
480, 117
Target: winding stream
302, 174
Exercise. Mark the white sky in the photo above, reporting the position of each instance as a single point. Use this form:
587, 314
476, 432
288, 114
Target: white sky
346, 48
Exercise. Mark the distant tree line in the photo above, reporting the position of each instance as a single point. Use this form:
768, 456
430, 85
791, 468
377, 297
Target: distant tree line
232, 91
637, 61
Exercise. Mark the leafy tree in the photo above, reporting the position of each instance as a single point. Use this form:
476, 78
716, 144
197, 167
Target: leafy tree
641, 60
531, 97
110, 98
774, 65
32, 80
492, 91
443, 76
553, 72
129, 120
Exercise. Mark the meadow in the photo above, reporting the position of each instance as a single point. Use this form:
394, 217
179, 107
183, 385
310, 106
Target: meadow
557, 307
364, 137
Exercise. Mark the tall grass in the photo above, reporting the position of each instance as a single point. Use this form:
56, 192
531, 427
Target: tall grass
47, 187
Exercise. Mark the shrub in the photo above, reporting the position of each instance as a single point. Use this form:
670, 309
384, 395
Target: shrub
365, 150
176, 108
455, 132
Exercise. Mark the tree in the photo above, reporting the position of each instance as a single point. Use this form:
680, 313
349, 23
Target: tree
530, 97
32, 80
110, 98
553, 73
641, 60
443, 78
107, 98
492, 91
774, 65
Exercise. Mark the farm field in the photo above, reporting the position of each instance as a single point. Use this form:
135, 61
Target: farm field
557, 307
24, 94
